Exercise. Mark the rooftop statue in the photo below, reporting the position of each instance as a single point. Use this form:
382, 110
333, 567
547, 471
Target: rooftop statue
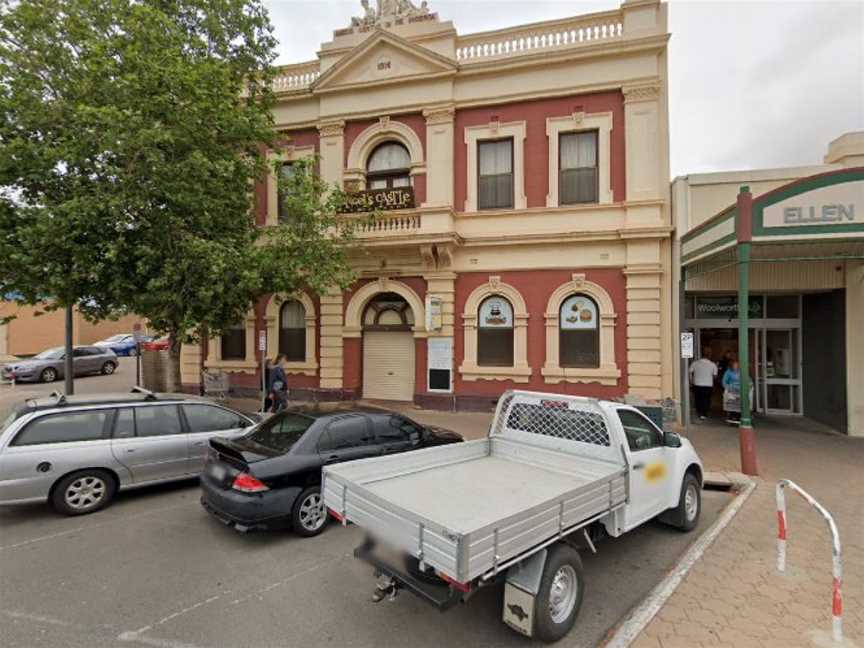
388, 9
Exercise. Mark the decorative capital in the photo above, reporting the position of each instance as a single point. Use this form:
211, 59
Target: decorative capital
384, 122
578, 280
495, 282
331, 129
439, 115
641, 92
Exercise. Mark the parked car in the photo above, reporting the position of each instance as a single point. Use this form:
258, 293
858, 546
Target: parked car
123, 344
272, 475
49, 365
157, 344
78, 452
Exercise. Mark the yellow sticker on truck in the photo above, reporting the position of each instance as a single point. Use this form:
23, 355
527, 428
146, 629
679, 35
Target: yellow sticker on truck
655, 471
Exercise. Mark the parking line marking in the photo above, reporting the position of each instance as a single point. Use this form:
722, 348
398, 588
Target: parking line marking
96, 525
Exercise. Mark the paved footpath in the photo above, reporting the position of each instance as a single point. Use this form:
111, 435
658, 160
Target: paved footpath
734, 595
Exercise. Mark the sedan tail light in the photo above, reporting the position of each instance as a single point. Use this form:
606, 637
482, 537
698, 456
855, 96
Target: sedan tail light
246, 483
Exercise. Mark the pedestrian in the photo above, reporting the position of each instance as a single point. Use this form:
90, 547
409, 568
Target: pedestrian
703, 373
731, 382
268, 396
278, 384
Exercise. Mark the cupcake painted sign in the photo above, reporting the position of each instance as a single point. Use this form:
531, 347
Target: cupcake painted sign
578, 312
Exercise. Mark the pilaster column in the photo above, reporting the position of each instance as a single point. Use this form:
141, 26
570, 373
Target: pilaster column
331, 340
332, 147
645, 315
439, 156
644, 147
855, 347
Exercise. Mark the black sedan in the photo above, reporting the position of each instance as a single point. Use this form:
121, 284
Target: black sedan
272, 476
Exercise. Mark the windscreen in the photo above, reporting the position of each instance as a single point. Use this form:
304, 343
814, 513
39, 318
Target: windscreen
50, 354
281, 431
8, 421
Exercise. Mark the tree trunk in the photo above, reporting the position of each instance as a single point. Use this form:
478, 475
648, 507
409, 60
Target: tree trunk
68, 358
173, 382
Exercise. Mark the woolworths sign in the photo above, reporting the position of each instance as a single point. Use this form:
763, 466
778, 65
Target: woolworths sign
725, 307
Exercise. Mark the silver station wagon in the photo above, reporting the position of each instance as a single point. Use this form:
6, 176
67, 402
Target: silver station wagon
78, 452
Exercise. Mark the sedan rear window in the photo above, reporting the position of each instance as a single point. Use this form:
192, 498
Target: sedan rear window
64, 428
281, 431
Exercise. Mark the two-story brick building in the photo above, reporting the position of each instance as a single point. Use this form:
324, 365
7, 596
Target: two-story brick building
526, 232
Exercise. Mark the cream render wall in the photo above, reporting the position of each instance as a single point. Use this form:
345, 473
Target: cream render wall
855, 347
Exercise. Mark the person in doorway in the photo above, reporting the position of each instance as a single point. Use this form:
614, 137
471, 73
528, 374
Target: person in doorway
731, 382
703, 373
278, 384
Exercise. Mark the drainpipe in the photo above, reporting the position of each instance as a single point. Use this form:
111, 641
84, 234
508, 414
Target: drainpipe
744, 230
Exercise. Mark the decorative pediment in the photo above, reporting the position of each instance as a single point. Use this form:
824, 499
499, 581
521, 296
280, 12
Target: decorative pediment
383, 58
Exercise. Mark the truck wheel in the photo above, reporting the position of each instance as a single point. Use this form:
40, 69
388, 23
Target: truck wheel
685, 516
309, 515
560, 597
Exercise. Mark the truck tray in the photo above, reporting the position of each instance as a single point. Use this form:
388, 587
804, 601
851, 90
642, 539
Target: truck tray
467, 508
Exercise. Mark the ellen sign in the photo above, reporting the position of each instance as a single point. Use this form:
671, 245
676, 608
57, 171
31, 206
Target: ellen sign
839, 204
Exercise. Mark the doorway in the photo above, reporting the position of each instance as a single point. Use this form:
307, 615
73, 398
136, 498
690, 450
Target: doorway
388, 349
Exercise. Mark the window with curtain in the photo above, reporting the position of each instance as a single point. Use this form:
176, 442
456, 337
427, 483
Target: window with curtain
234, 343
389, 166
495, 333
292, 331
577, 164
579, 329
495, 174
287, 172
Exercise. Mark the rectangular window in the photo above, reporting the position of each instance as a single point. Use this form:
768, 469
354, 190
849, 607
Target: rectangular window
495, 174
579, 348
234, 344
287, 172
64, 428
577, 164
292, 342
495, 347
159, 420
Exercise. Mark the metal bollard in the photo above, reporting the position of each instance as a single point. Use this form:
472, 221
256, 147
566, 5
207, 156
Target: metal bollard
837, 566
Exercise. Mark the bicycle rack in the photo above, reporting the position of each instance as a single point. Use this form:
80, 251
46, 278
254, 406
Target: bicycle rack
837, 567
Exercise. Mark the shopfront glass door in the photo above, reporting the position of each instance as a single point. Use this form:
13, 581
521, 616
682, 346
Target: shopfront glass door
780, 369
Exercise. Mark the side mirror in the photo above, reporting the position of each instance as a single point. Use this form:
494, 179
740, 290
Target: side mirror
671, 440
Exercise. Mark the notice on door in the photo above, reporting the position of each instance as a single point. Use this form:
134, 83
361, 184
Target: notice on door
440, 361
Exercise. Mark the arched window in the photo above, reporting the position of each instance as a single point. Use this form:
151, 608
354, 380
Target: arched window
579, 330
495, 332
292, 331
388, 166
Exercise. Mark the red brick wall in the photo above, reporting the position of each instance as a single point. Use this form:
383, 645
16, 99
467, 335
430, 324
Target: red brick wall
415, 122
536, 286
534, 113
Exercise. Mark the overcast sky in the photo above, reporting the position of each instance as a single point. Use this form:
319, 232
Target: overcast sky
753, 84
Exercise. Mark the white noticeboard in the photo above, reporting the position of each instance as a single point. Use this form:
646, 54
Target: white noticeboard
262, 340
687, 345
440, 360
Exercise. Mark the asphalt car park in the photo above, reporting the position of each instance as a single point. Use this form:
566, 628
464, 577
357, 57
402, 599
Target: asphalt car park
156, 570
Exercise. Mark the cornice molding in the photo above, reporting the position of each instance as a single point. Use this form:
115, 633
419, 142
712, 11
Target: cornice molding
649, 91
331, 128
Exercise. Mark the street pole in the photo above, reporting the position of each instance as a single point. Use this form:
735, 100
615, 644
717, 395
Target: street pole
68, 379
744, 229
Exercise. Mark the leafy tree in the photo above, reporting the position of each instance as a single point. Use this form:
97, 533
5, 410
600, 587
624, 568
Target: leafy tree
131, 135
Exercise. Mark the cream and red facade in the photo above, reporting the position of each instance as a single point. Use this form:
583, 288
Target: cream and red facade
415, 81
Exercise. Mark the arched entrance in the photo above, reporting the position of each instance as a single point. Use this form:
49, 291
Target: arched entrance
388, 348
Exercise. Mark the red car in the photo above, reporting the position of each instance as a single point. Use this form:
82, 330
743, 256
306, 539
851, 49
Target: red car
159, 344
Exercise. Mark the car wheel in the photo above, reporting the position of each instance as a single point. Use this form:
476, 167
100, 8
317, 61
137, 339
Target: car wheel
84, 491
108, 368
309, 515
132, 352
685, 516
557, 604
48, 374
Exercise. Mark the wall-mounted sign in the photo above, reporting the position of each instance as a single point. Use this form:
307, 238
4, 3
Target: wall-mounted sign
687, 344
496, 312
262, 340
578, 313
440, 363
434, 320
379, 200
839, 204
725, 307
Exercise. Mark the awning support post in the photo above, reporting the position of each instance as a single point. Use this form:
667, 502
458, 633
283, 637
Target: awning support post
744, 230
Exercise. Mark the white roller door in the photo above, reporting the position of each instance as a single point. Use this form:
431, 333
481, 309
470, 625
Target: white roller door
388, 365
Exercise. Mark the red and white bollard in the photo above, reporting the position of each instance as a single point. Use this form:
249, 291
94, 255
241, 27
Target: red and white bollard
837, 566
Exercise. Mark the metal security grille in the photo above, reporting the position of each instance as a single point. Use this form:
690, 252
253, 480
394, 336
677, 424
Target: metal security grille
561, 422
503, 404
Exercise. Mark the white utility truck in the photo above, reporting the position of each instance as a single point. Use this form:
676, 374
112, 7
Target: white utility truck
555, 474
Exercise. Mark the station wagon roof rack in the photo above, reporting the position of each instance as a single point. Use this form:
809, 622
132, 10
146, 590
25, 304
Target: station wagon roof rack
58, 397
148, 395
